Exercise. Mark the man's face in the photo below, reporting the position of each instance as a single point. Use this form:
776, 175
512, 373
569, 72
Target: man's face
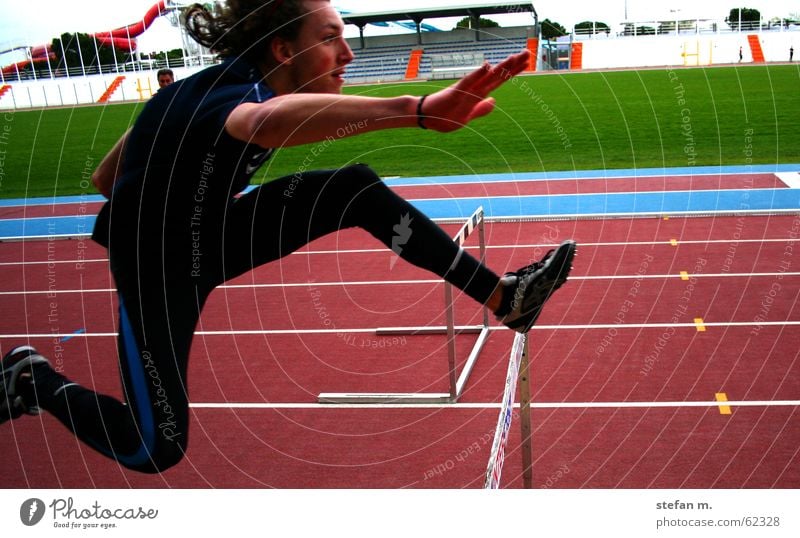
165, 80
319, 52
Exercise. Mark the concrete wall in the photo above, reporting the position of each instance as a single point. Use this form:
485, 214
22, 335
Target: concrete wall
137, 86
602, 52
776, 49
686, 49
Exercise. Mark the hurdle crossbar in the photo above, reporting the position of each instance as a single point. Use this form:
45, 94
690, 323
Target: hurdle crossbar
456, 382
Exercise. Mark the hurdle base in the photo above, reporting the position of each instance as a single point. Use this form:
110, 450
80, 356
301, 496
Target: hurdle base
450, 330
416, 331
411, 397
385, 398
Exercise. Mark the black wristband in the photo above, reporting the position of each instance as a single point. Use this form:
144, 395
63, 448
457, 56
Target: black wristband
420, 115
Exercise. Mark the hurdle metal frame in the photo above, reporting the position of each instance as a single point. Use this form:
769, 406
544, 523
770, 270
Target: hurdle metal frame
524, 383
457, 383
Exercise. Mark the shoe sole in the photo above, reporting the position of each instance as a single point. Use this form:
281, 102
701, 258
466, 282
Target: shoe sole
551, 276
545, 283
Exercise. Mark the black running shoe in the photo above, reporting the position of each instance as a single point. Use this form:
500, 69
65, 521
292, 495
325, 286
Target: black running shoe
534, 284
16, 363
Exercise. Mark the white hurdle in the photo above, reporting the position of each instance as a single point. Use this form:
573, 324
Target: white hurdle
457, 383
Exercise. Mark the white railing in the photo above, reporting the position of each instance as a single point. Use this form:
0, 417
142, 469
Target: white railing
43, 71
682, 27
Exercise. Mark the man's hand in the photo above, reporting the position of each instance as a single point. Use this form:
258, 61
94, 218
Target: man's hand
459, 104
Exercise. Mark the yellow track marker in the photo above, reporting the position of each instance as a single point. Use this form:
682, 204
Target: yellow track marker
723, 409
666, 218
673, 242
684, 275
700, 324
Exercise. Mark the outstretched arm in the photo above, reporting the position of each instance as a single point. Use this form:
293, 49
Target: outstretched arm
107, 171
295, 119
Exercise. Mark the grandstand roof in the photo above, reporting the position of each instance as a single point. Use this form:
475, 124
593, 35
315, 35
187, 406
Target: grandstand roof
417, 15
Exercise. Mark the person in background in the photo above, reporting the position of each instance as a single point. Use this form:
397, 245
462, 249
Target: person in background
165, 77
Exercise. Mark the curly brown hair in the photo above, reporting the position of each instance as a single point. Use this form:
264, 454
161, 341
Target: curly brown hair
245, 27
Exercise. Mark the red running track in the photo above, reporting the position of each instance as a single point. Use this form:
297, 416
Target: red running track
593, 186
623, 397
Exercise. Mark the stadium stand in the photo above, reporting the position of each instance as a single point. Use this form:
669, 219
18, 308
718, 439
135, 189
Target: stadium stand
389, 63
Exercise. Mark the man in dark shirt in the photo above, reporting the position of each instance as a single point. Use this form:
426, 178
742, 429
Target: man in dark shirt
175, 229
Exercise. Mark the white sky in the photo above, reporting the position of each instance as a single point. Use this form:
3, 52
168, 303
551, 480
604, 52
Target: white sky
37, 22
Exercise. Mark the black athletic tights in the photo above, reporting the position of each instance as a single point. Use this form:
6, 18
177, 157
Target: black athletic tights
164, 276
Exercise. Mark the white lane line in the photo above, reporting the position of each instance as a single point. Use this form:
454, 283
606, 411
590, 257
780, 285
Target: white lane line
587, 194
581, 245
538, 218
493, 405
498, 247
95, 260
417, 282
344, 331
578, 178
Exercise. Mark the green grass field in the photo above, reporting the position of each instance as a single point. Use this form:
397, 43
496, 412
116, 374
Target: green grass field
602, 120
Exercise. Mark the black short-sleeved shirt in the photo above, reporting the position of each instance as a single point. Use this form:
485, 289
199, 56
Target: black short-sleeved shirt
180, 167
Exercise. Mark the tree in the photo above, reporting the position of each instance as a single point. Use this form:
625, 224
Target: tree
789, 20
589, 27
171, 58
750, 18
466, 22
551, 29
75, 50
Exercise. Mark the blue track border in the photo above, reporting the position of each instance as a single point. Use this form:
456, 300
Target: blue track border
572, 205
